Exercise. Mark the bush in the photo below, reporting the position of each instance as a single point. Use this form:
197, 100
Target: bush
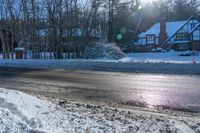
100, 50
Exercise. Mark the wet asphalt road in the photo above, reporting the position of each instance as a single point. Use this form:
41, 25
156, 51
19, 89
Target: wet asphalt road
152, 90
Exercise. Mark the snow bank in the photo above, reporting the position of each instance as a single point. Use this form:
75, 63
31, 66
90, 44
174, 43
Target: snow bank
167, 62
97, 55
161, 57
107, 65
20, 112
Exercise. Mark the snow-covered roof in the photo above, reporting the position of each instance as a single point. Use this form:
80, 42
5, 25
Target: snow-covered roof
43, 32
171, 28
19, 49
75, 32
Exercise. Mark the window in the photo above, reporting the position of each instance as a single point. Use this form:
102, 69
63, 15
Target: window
150, 37
181, 36
192, 25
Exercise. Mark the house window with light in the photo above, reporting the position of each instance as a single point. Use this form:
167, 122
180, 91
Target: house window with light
150, 37
181, 36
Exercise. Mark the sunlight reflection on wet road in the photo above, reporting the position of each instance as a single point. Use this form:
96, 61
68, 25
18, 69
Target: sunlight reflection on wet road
174, 91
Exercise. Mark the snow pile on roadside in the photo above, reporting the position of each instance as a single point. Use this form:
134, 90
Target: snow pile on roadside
20, 112
47, 63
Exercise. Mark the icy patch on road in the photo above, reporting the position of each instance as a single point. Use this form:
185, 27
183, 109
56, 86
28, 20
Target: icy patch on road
20, 112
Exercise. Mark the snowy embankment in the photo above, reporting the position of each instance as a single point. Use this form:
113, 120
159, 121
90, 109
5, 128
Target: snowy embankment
166, 62
20, 112
162, 57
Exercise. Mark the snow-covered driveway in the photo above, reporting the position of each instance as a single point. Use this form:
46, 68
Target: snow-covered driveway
20, 112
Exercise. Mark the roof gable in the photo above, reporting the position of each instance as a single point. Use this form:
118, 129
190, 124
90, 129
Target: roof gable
171, 28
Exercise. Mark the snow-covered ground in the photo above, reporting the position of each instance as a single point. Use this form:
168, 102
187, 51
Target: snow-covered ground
153, 57
164, 62
162, 57
20, 112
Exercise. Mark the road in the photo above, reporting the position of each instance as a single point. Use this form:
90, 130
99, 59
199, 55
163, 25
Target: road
151, 90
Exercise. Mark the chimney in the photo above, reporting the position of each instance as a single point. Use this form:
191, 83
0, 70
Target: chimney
163, 33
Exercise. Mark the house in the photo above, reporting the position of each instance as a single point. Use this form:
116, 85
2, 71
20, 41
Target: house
179, 35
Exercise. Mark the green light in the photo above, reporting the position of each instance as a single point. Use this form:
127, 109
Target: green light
119, 37
140, 7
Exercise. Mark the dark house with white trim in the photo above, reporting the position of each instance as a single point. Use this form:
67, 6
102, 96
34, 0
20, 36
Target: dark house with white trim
178, 35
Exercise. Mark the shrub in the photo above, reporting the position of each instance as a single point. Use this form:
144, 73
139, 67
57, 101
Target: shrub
100, 50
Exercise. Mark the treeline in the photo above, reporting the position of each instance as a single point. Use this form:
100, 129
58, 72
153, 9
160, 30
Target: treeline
67, 26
